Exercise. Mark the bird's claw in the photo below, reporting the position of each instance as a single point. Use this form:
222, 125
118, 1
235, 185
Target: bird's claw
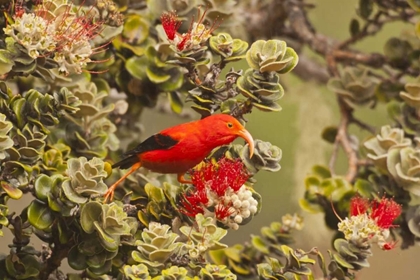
182, 179
109, 195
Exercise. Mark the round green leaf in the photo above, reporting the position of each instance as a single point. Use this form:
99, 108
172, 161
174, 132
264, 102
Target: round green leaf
43, 185
76, 259
40, 216
329, 134
90, 213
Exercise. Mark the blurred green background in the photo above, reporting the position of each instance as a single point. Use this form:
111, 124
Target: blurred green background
307, 109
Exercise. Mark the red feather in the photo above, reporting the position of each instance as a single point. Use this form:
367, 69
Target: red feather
187, 145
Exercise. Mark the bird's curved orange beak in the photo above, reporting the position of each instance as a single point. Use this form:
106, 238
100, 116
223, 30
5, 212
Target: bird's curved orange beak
248, 138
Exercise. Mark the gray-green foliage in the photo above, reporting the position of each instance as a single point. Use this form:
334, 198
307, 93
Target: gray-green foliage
71, 106
356, 86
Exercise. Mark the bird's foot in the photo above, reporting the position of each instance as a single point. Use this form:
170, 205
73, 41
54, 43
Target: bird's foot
182, 179
109, 194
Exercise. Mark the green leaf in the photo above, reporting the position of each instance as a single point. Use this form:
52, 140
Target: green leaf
110, 243
157, 77
415, 4
354, 27
40, 216
136, 29
64, 232
6, 62
310, 207
11, 191
329, 134
292, 60
136, 66
270, 107
76, 259
364, 187
365, 8
342, 262
176, 102
43, 185
90, 213
260, 245
321, 171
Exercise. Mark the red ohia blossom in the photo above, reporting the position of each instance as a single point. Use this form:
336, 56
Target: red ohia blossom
383, 212
389, 246
192, 204
220, 176
215, 178
358, 205
197, 33
222, 211
170, 24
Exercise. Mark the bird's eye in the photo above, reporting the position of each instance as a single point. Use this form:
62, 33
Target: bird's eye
230, 125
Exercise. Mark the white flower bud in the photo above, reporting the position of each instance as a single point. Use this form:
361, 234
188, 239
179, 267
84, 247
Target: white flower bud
234, 226
246, 213
253, 209
238, 219
245, 204
237, 203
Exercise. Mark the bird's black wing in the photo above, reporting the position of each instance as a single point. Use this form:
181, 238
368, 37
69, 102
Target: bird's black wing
154, 142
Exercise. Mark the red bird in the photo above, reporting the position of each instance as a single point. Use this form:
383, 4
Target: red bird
179, 148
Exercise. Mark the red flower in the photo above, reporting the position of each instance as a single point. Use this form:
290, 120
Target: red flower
170, 24
219, 177
358, 205
197, 34
222, 211
383, 212
214, 178
192, 204
181, 45
389, 246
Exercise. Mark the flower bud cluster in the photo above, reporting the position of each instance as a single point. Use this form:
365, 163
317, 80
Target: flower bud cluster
61, 32
197, 34
233, 207
32, 32
220, 193
369, 222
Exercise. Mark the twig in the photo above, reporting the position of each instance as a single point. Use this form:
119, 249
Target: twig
58, 253
343, 140
375, 60
362, 124
333, 158
309, 69
365, 31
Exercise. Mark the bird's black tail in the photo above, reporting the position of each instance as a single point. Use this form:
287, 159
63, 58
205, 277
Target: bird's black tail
127, 162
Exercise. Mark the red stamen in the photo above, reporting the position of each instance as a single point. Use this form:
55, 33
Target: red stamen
190, 208
192, 204
181, 45
220, 177
385, 212
358, 205
170, 24
222, 211
389, 246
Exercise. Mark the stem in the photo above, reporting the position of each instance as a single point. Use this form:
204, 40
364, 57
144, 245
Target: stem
58, 253
362, 125
342, 139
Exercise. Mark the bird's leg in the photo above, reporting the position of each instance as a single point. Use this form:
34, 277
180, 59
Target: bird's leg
110, 193
182, 180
